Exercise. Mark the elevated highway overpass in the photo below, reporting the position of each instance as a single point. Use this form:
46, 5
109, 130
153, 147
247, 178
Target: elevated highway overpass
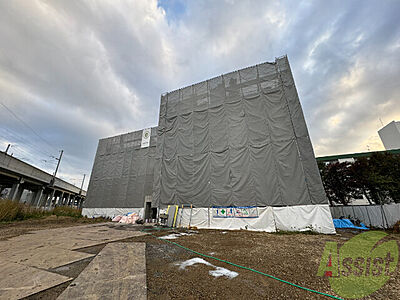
16, 176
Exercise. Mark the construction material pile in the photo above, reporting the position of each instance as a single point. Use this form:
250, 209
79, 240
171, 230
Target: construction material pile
129, 218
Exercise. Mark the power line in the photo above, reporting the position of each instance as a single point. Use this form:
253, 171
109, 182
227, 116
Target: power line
17, 153
18, 148
49, 163
46, 165
25, 151
29, 145
37, 162
23, 155
32, 146
23, 122
66, 162
13, 135
20, 140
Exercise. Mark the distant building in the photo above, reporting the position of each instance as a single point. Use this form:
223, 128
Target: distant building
351, 157
390, 135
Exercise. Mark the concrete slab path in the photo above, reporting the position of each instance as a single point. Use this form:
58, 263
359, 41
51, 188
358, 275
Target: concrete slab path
25, 258
18, 281
117, 272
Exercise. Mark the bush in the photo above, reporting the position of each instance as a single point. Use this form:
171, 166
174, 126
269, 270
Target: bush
12, 210
15, 211
9, 210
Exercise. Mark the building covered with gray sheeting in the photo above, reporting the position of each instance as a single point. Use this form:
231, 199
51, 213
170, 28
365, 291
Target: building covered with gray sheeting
122, 175
235, 149
237, 139
232, 152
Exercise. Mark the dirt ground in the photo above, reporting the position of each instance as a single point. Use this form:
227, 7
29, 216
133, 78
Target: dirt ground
11, 229
292, 257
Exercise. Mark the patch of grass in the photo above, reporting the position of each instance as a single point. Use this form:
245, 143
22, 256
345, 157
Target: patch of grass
12, 210
67, 211
15, 211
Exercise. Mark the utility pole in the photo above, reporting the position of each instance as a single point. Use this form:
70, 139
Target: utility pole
54, 179
8, 147
83, 180
58, 164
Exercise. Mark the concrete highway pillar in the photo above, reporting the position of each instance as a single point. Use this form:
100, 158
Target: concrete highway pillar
31, 198
60, 200
55, 200
16, 191
19, 193
42, 199
2, 188
71, 200
50, 201
67, 200
64, 199
13, 191
37, 196
45, 199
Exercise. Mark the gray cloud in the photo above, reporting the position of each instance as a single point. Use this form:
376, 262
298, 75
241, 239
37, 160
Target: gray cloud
80, 71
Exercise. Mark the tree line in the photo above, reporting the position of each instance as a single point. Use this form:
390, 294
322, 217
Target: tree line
377, 177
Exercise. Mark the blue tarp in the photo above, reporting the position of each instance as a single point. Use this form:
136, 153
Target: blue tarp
346, 223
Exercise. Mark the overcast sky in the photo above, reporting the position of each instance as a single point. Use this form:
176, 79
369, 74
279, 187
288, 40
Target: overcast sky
77, 71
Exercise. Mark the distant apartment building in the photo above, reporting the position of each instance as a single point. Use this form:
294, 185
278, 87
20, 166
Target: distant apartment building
390, 135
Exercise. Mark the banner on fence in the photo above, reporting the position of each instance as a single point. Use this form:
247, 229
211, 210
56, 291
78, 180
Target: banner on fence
235, 212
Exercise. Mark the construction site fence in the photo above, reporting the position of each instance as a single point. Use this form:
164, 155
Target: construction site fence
378, 216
